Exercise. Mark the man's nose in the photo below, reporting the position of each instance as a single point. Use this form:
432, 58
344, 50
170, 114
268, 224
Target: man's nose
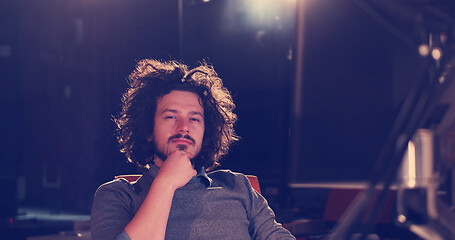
183, 126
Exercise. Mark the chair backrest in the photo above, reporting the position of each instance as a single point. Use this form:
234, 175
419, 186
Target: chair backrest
129, 177
133, 177
254, 183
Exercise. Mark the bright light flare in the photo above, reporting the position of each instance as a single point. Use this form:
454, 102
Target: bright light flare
436, 53
424, 50
411, 164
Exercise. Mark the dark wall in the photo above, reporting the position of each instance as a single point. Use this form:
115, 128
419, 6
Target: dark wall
356, 74
61, 80
249, 44
63, 76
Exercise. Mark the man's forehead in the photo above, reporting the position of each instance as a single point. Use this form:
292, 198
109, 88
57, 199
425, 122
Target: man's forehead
176, 101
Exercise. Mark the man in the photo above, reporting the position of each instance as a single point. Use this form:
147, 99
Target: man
177, 124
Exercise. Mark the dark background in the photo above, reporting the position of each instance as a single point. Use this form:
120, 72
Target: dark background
63, 70
63, 66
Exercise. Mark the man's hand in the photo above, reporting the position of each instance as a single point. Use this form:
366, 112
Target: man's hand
177, 170
151, 219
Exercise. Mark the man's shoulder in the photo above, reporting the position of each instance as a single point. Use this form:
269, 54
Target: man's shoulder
114, 185
124, 185
228, 178
225, 173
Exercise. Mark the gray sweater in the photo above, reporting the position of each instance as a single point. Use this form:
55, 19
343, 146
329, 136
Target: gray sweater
218, 205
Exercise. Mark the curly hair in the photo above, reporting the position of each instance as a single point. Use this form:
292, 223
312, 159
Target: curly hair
153, 79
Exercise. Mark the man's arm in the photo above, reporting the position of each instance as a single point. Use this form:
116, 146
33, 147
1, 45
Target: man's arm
151, 219
262, 219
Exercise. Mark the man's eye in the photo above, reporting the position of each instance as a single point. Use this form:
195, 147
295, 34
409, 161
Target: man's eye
195, 120
169, 117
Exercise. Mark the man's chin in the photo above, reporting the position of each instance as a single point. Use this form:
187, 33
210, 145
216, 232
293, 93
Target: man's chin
189, 148
182, 147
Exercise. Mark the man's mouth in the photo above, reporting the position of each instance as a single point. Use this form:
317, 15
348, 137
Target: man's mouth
180, 139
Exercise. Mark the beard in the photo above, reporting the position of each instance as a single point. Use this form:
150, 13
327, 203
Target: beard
161, 154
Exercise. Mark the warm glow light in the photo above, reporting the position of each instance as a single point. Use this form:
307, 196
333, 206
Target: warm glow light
401, 218
411, 164
265, 13
436, 53
442, 79
424, 50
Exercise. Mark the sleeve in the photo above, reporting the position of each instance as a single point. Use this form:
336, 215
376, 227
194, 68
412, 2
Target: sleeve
262, 219
112, 210
122, 236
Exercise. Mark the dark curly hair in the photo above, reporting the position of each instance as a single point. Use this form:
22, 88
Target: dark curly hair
153, 79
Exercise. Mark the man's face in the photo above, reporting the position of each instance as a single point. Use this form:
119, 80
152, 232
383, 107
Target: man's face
179, 124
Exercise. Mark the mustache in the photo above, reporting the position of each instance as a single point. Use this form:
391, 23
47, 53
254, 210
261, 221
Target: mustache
186, 136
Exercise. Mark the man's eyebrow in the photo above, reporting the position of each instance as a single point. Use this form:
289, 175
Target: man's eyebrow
169, 110
196, 113
177, 111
